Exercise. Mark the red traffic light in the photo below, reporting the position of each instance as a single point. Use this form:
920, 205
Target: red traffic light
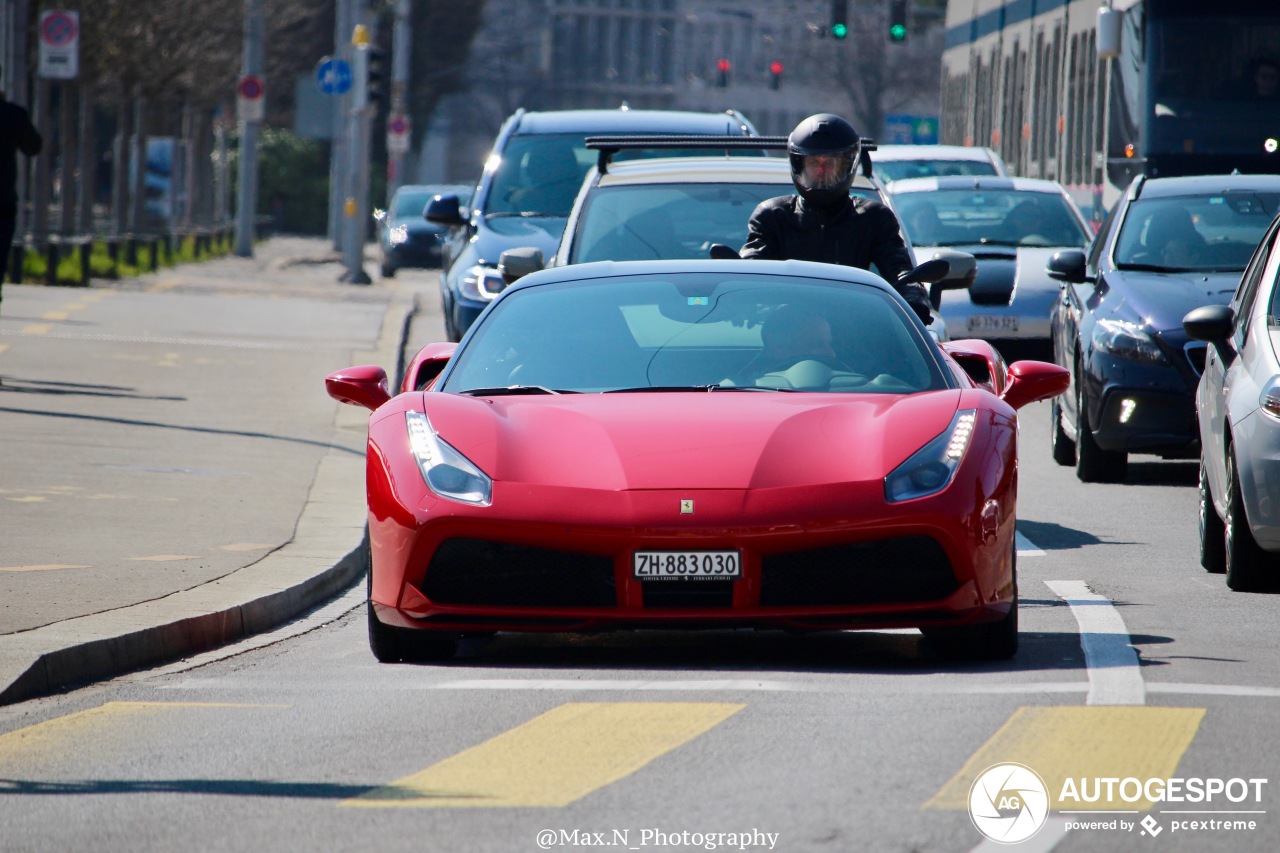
723, 65
775, 68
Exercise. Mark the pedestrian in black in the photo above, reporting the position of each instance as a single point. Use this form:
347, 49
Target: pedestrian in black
822, 222
17, 133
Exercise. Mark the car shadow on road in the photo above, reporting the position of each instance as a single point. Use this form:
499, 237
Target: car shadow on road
713, 654
1163, 473
1050, 536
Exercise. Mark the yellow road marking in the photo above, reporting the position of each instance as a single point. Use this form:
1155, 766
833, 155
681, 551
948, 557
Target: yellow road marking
3, 347
49, 567
27, 499
75, 306
160, 558
556, 758
1082, 742
54, 315
36, 329
71, 734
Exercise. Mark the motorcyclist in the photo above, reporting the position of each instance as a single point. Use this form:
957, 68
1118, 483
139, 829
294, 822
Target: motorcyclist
822, 222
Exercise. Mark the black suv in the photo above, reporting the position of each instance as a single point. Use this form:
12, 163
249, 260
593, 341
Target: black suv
528, 187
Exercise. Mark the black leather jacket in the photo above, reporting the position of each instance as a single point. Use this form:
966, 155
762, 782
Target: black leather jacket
858, 234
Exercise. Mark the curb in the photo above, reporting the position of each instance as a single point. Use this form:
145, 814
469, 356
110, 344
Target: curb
248, 601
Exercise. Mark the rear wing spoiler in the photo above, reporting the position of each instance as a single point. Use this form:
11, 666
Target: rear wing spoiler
607, 146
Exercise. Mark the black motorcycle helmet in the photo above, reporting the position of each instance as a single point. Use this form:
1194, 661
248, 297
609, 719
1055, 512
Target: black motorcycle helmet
827, 135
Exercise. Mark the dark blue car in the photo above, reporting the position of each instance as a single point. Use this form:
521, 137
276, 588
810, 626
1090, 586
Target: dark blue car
527, 189
1168, 246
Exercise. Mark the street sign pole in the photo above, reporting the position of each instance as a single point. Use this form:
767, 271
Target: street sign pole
247, 180
397, 141
356, 205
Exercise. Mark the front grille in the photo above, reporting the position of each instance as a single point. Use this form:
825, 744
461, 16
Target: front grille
480, 572
687, 593
1195, 352
909, 568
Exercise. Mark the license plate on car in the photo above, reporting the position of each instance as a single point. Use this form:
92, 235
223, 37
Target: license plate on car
993, 323
686, 565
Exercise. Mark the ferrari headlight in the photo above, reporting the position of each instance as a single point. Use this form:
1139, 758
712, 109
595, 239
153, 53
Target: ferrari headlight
931, 468
482, 284
397, 235
446, 471
1126, 340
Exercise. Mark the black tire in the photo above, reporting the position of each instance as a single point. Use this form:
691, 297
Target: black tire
1064, 449
1093, 464
384, 641
988, 641
393, 645
1213, 549
1246, 563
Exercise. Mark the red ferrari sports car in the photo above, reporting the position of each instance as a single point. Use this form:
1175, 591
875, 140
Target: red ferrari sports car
695, 444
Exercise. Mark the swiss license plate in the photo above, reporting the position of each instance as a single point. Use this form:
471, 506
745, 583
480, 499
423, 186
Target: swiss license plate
993, 323
686, 565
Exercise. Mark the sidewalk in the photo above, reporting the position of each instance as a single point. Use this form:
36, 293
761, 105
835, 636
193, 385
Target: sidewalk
164, 615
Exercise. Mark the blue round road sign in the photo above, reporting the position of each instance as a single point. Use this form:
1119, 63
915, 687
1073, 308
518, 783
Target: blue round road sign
334, 76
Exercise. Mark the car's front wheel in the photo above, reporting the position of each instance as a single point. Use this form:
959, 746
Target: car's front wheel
987, 641
393, 645
1246, 563
1093, 464
1064, 449
1213, 552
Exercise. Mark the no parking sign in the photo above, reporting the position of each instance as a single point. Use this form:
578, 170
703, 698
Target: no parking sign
59, 44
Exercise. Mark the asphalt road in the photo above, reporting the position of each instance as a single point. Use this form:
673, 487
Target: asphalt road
1134, 663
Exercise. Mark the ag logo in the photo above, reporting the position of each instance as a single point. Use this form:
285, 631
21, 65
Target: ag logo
1008, 803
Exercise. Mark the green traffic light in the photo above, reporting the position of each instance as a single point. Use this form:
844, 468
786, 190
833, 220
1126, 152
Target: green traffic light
898, 32
839, 30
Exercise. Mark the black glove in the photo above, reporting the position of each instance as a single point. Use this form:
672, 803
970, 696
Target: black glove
922, 311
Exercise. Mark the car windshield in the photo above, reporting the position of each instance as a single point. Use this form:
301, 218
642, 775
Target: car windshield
655, 221
411, 203
696, 332
540, 174
956, 217
671, 221
1204, 233
897, 170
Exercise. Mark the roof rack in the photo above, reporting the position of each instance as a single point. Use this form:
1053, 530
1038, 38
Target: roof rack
607, 146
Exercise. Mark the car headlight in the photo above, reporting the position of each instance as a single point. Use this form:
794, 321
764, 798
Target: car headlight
1270, 399
482, 283
397, 235
931, 468
1126, 340
446, 471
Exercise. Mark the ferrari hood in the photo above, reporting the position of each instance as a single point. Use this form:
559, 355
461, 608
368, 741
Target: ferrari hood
690, 440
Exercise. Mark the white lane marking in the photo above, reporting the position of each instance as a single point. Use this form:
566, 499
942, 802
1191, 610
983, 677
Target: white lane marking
1115, 674
1026, 548
1053, 831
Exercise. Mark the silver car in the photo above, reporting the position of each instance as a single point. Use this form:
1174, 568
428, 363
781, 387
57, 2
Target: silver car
1238, 409
1012, 226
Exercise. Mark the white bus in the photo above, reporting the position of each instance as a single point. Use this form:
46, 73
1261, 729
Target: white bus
1182, 87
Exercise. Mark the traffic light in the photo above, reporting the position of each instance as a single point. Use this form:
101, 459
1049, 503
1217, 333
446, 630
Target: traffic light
839, 18
775, 74
377, 77
723, 67
897, 20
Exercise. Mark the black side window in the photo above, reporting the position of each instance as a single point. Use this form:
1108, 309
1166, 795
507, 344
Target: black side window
1247, 292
